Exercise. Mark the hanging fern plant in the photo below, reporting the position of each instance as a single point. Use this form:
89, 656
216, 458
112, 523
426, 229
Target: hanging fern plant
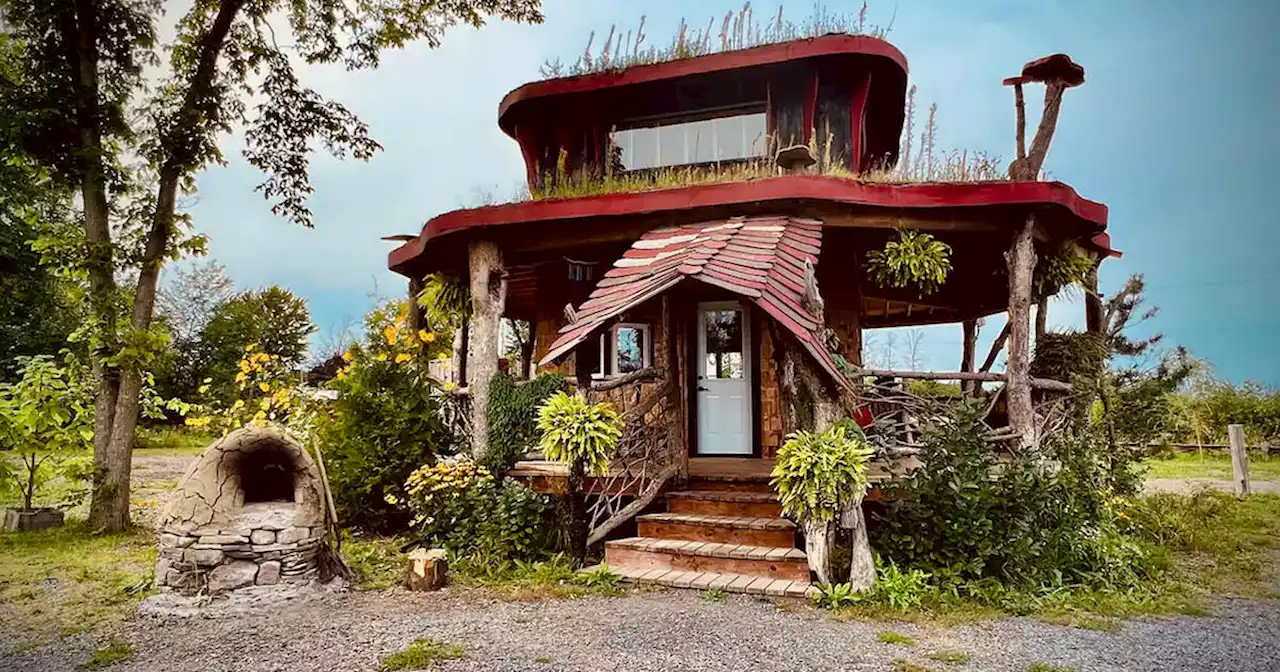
1068, 265
913, 258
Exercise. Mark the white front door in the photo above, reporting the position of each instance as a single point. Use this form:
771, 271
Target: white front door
724, 379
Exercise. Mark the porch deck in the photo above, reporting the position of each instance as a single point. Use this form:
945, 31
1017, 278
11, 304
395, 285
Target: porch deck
551, 477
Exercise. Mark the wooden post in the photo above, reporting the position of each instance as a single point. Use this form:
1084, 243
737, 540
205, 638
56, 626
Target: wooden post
968, 354
1239, 460
488, 298
1092, 301
416, 319
1021, 259
862, 565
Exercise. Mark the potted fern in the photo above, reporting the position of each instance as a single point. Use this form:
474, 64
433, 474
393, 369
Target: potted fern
821, 479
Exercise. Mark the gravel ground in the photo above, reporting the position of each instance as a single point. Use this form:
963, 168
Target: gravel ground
670, 630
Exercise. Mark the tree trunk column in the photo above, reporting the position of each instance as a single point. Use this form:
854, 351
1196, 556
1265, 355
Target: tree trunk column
488, 298
1021, 259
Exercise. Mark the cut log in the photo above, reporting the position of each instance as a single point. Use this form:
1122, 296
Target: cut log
819, 538
428, 570
862, 566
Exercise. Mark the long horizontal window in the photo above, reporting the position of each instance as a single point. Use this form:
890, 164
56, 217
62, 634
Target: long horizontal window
721, 139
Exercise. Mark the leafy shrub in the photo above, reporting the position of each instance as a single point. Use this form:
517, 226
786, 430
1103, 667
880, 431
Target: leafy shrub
837, 595
513, 416
817, 475
901, 590
600, 578
891, 637
421, 654
573, 431
386, 422
914, 258
459, 506
1068, 265
46, 416
1034, 518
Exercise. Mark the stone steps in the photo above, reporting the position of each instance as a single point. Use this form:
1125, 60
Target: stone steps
724, 503
750, 530
728, 582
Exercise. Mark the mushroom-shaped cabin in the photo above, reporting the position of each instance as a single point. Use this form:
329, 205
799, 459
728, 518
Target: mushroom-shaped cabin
696, 249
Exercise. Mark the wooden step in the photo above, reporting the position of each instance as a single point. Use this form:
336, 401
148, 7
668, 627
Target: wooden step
731, 482
755, 531
729, 583
725, 503
774, 562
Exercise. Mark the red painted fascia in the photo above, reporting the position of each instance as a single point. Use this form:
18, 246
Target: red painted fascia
727, 60
783, 188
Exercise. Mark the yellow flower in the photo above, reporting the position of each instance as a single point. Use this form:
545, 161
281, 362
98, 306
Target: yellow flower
250, 347
428, 336
449, 386
382, 357
391, 334
264, 404
240, 377
342, 373
238, 405
264, 387
403, 357
348, 356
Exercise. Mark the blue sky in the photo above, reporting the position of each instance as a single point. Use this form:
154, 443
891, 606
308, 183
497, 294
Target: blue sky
1175, 130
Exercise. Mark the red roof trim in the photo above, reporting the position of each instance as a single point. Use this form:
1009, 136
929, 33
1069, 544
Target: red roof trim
783, 188
726, 60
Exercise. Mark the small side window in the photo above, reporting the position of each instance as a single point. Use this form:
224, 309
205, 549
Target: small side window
631, 348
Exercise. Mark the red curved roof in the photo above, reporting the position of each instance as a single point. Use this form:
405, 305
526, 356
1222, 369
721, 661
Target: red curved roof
827, 45
1091, 215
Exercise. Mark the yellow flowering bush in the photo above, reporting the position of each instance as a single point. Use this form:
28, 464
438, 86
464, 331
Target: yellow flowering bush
458, 505
267, 392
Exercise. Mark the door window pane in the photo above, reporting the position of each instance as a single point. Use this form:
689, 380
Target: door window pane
723, 344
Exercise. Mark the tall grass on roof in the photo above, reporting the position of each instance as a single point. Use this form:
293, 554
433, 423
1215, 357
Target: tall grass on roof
737, 30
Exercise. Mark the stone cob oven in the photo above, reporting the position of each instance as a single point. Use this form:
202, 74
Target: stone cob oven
250, 511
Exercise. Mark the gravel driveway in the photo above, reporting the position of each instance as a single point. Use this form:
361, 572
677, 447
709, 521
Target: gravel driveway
672, 630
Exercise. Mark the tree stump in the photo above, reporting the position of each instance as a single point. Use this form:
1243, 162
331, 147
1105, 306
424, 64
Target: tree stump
428, 570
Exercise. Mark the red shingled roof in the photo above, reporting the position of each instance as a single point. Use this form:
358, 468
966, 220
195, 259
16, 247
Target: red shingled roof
761, 258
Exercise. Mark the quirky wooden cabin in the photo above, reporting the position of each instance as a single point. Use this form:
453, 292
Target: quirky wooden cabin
719, 314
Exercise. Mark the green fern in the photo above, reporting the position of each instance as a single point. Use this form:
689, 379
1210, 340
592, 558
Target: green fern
817, 475
445, 298
914, 258
573, 430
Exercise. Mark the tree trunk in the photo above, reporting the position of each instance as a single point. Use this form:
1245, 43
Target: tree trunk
862, 565
1021, 259
577, 514
1092, 302
968, 354
1042, 318
488, 295
463, 347
526, 354
819, 538
417, 321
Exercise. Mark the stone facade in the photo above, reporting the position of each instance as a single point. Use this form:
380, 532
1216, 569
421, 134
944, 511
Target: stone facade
212, 541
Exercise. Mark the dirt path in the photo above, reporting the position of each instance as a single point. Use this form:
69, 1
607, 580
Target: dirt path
1188, 486
673, 630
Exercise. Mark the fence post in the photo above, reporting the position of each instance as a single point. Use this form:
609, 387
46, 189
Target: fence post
1239, 460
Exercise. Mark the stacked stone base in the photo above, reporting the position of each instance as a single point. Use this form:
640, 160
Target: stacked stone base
216, 560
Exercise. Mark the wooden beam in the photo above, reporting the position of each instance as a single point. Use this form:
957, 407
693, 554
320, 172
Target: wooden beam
996, 347
968, 352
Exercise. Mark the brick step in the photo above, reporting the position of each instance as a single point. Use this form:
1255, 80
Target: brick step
775, 562
730, 482
724, 503
755, 531
728, 582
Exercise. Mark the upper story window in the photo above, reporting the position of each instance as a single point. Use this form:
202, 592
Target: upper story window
658, 144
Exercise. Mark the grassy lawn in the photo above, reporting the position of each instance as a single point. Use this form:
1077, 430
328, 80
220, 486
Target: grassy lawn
63, 581
1214, 464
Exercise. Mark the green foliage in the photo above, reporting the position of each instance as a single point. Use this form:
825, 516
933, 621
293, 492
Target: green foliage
1066, 266
965, 517
914, 258
385, 423
837, 595
1206, 409
446, 300
901, 590
459, 506
817, 475
891, 637
513, 416
576, 432
377, 561
45, 415
422, 654
1068, 355
712, 595
600, 578
904, 665
273, 319
105, 656
1040, 666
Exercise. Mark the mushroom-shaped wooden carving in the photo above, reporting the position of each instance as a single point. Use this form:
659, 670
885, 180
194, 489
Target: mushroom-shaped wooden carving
1058, 73
1055, 68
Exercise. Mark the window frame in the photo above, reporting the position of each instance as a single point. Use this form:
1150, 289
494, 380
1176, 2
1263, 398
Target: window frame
607, 349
